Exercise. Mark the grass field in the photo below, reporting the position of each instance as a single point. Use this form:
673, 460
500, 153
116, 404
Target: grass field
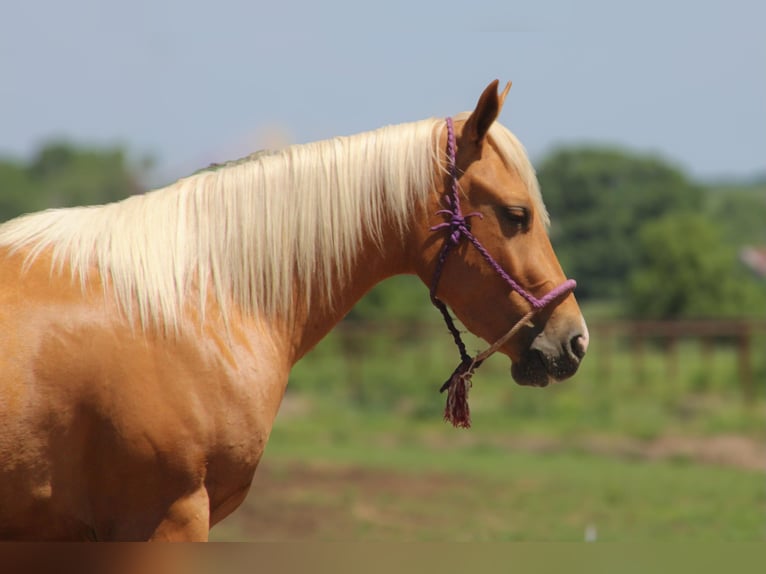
399, 370
360, 452
346, 475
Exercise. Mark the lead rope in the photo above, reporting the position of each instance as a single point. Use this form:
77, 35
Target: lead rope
456, 410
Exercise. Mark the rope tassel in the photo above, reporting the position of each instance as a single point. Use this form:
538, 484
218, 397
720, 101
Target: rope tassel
456, 410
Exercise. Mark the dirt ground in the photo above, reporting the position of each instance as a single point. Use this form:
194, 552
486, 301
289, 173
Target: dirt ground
723, 450
316, 502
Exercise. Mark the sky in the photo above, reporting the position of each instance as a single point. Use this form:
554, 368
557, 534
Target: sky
190, 82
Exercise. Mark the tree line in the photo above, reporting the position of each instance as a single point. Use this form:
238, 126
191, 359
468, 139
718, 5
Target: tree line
633, 229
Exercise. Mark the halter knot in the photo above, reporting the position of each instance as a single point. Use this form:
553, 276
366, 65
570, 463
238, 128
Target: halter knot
458, 224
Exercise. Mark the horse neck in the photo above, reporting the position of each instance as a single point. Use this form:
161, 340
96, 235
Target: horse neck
368, 193
312, 320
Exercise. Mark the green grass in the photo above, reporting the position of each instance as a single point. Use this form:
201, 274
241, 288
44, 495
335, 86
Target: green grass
613, 392
360, 451
377, 477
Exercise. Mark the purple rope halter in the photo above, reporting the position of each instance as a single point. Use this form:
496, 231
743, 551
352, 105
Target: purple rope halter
458, 226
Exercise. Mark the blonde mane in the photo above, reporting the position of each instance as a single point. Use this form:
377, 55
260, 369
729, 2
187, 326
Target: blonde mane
252, 229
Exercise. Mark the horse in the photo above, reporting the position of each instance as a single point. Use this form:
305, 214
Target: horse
145, 345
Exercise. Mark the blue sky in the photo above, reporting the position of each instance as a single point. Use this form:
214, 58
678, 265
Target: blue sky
190, 82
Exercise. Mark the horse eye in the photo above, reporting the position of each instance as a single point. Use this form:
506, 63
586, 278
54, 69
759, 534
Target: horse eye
517, 215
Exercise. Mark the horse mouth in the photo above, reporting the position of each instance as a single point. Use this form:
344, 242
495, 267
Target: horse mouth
530, 371
536, 369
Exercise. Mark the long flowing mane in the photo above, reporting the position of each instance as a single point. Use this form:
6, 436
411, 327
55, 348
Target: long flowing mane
249, 231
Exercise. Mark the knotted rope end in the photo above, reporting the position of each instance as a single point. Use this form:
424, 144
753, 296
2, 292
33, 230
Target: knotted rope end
456, 410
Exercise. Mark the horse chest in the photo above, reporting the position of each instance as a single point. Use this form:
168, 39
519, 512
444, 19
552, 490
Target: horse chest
120, 421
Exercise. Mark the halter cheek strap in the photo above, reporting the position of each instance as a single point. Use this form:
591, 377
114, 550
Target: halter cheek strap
458, 226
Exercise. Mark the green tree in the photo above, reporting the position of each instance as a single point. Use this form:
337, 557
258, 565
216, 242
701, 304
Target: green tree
17, 190
686, 270
599, 199
401, 298
62, 174
741, 212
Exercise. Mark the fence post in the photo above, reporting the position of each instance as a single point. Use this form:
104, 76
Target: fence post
743, 364
706, 344
671, 350
638, 353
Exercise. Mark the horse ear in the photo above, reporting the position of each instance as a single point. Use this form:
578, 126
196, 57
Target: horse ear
487, 109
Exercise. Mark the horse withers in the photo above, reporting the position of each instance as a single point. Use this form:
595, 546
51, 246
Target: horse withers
145, 345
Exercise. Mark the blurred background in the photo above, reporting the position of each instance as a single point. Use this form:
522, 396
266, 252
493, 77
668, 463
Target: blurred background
647, 124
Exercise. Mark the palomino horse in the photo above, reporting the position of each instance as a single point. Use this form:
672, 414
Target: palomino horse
145, 345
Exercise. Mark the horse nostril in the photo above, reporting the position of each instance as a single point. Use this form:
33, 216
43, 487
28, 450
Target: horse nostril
579, 346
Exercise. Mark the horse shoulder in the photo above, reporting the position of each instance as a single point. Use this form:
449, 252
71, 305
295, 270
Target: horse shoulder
111, 418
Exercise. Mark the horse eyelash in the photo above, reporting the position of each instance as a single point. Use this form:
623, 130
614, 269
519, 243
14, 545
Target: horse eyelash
517, 215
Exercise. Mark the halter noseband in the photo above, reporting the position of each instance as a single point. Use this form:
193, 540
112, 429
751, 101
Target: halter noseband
456, 410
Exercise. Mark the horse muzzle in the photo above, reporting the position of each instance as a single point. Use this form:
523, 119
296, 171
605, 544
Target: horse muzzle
551, 359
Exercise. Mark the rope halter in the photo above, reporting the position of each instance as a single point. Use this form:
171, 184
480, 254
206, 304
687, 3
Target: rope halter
459, 227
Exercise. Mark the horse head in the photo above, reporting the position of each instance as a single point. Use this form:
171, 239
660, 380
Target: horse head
485, 248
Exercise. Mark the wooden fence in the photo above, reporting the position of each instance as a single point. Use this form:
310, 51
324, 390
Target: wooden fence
707, 333
612, 338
